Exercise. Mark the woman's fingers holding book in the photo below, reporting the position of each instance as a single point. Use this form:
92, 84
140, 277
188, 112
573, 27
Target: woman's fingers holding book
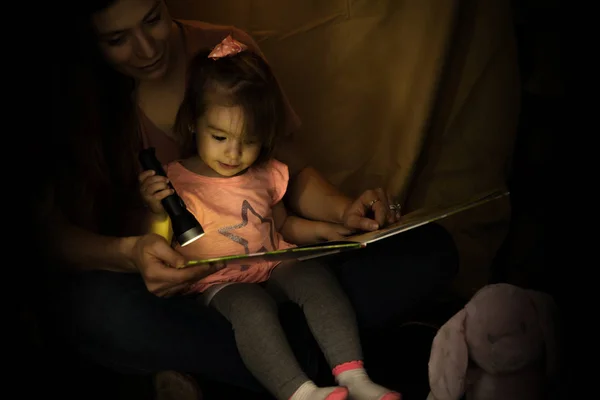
370, 211
159, 264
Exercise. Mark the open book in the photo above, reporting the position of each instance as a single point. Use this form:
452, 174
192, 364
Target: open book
407, 222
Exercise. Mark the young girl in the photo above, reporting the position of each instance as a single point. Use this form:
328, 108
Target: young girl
230, 120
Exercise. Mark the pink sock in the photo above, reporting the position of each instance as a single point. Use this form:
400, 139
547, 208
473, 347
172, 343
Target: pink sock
309, 391
353, 376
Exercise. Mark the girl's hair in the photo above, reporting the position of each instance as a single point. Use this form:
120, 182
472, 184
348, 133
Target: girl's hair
95, 134
243, 80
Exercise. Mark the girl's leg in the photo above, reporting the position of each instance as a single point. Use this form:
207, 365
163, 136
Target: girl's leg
263, 345
332, 321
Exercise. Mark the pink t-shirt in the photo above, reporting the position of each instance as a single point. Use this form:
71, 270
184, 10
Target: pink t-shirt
236, 215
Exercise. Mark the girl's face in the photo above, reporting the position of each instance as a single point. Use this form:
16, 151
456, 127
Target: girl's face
222, 145
134, 37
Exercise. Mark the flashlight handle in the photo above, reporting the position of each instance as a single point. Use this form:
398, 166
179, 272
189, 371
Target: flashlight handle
149, 161
173, 204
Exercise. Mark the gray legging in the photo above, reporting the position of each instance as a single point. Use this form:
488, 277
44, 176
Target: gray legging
262, 344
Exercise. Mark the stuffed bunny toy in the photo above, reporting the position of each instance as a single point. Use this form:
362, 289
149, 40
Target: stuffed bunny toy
501, 345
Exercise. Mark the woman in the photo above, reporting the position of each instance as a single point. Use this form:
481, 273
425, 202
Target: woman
123, 311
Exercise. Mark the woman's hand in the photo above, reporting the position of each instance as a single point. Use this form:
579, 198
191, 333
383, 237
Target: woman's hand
157, 262
153, 189
371, 211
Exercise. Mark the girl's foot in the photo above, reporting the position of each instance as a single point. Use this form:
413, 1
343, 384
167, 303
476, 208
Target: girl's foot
309, 391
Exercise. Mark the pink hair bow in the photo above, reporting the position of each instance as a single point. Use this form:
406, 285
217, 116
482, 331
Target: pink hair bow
227, 48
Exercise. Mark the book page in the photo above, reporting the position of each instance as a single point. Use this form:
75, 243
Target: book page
407, 222
424, 216
294, 253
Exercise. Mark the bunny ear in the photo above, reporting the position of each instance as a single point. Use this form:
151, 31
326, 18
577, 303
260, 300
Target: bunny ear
546, 311
449, 360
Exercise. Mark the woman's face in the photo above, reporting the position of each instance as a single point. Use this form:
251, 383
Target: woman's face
134, 37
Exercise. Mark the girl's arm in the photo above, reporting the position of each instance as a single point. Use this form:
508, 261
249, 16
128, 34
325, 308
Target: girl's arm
301, 231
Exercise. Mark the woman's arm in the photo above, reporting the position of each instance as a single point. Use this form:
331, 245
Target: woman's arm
149, 255
80, 249
84, 250
313, 197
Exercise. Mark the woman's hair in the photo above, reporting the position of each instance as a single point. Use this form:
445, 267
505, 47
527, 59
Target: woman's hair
243, 80
93, 149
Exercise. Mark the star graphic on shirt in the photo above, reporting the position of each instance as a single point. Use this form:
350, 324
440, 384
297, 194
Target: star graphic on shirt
227, 230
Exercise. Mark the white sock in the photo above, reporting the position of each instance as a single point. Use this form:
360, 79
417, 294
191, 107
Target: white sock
309, 391
362, 388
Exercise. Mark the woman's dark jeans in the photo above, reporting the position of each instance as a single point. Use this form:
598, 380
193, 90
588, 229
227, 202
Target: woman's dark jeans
113, 319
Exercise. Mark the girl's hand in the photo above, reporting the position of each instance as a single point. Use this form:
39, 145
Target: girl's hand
153, 189
328, 231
